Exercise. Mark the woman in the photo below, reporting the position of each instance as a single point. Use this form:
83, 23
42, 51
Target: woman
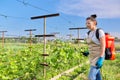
96, 48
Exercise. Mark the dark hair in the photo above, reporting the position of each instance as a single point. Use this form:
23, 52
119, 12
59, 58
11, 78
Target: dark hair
92, 18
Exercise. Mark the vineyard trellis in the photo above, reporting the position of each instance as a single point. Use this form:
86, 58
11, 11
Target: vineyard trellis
3, 32
78, 32
44, 37
30, 30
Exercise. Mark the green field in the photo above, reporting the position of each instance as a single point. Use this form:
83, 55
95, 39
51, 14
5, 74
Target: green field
17, 62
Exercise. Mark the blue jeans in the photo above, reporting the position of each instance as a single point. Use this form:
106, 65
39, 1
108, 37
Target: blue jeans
94, 74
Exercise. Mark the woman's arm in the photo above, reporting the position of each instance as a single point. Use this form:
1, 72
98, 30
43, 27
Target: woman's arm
102, 45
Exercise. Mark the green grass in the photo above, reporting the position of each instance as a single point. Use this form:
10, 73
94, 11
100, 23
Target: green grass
117, 46
111, 69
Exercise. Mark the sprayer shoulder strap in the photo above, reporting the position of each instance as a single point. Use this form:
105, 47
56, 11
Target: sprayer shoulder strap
97, 33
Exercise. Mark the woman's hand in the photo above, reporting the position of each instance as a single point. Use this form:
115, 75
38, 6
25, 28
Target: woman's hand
99, 63
85, 53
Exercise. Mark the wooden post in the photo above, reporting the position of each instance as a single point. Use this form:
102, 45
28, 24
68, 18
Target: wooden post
44, 49
78, 33
70, 36
44, 38
3, 38
55, 33
78, 36
30, 30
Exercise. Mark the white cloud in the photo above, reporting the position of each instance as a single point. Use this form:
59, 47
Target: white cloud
103, 8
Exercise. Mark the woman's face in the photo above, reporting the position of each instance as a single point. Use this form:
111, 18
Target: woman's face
90, 24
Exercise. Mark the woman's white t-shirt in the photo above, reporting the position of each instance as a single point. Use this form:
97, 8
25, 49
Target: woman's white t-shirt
92, 35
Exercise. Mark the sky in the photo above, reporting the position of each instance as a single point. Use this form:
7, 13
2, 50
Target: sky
15, 16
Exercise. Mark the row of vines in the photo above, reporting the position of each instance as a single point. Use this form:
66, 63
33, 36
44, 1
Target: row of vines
17, 62
23, 64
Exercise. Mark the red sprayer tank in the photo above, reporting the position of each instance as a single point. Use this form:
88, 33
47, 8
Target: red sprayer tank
110, 44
